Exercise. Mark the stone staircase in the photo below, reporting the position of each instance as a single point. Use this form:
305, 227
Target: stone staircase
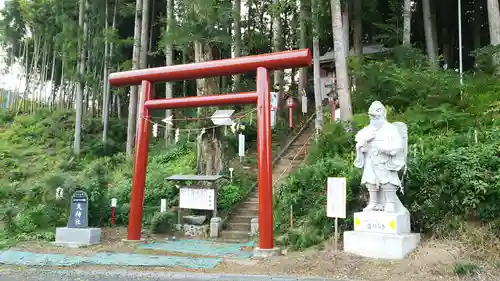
238, 226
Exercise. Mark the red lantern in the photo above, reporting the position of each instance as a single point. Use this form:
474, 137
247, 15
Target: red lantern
290, 102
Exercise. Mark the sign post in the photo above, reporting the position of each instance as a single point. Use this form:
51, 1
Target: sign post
291, 104
336, 202
113, 207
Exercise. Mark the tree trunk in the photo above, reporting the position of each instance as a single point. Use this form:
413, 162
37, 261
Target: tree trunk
358, 30
118, 107
82, 21
446, 47
52, 82
105, 94
43, 74
494, 23
34, 62
132, 107
184, 61
340, 63
316, 67
143, 62
434, 28
345, 28
278, 74
169, 61
303, 44
477, 25
237, 40
61, 85
407, 22
110, 60
429, 37
294, 41
210, 151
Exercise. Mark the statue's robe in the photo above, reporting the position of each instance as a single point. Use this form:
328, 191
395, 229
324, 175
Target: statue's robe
383, 156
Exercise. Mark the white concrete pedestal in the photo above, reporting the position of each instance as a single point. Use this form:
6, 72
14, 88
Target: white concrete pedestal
266, 253
77, 237
381, 235
254, 226
215, 227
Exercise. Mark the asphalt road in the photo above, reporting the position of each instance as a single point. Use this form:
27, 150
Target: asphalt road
120, 275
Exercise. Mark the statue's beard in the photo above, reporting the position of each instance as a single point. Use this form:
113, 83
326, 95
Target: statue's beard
377, 123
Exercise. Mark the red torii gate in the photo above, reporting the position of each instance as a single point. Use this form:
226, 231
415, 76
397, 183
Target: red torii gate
262, 64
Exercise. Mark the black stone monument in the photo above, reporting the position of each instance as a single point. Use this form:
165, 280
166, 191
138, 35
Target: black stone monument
79, 210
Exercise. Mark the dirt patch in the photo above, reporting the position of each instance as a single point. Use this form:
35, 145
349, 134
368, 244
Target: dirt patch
432, 261
111, 242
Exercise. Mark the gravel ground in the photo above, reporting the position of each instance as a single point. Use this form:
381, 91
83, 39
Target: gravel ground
432, 261
129, 275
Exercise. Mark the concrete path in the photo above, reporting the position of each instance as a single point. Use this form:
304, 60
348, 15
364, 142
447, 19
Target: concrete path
12, 257
120, 275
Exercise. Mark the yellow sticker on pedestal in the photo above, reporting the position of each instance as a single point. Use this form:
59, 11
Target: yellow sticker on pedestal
392, 224
375, 222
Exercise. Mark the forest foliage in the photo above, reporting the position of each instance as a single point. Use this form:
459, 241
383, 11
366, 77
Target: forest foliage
454, 158
35, 160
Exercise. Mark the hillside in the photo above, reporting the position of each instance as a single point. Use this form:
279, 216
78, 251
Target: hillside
36, 159
453, 182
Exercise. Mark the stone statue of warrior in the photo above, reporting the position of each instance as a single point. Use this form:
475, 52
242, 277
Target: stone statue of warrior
381, 151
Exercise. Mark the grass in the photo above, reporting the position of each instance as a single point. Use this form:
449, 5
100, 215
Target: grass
465, 268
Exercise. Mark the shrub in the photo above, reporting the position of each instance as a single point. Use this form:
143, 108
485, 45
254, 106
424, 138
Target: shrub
454, 157
305, 193
451, 180
228, 195
162, 222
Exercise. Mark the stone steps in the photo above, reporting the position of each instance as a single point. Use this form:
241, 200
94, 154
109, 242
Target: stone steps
242, 235
250, 206
241, 218
237, 228
240, 226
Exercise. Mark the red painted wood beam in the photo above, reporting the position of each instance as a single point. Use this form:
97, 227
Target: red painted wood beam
280, 60
140, 166
264, 160
203, 101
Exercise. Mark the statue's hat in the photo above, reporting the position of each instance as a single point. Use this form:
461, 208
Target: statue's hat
377, 109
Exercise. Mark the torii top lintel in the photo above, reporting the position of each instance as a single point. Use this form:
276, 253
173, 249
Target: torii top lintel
240, 65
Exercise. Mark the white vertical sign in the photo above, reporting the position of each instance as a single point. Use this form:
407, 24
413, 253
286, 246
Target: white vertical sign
274, 100
336, 198
114, 202
274, 108
273, 118
163, 206
304, 104
241, 146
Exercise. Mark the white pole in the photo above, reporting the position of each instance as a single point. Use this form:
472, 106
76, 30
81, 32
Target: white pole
460, 41
336, 233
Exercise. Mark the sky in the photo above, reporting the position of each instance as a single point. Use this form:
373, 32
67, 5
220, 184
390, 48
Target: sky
11, 78
8, 77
